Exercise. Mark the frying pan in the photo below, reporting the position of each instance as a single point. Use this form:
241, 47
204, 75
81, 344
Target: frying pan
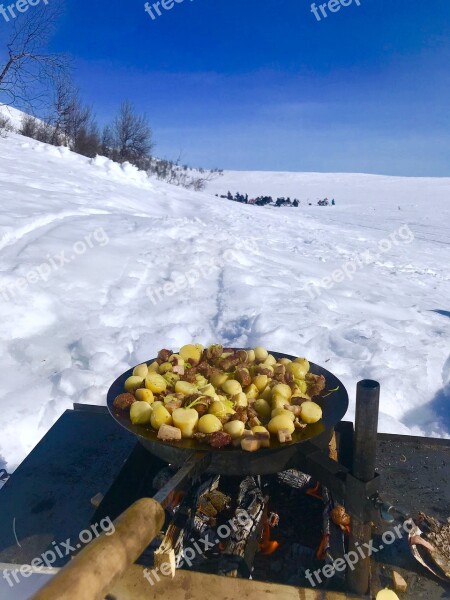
234, 461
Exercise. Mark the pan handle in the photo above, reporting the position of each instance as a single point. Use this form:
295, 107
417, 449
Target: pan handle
93, 572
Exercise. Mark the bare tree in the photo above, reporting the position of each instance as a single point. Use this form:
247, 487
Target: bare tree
88, 142
65, 99
29, 68
29, 127
108, 142
132, 136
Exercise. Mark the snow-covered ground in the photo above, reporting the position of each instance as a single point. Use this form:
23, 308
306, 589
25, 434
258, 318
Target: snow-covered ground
86, 248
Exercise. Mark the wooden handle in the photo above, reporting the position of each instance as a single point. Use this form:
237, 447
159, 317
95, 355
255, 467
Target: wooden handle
92, 573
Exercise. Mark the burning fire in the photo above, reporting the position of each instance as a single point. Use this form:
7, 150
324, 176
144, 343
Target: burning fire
266, 545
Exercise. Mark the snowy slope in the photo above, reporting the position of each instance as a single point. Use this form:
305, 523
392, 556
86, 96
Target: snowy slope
67, 330
15, 116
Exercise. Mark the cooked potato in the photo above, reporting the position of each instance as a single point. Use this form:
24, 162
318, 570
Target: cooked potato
218, 379
169, 398
186, 420
310, 412
284, 361
141, 371
165, 368
261, 382
156, 383
259, 429
281, 422
171, 378
305, 363
133, 383
251, 356
240, 400
262, 435
283, 390
144, 395
209, 424
160, 416
283, 411
140, 413
267, 394
176, 359
220, 409
262, 407
232, 387
298, 370
191, 354
235, 429
200, 381
260, 354
207, 390
278, 401
301, 385
186, 388
251, 391
153, 368
270, 361
387, 594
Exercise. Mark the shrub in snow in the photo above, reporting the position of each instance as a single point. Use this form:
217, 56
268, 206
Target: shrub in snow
5, 125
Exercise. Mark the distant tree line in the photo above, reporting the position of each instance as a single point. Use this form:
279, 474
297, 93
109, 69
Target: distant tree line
261, 200
268, 200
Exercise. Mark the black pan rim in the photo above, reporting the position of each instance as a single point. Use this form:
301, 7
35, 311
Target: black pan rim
334, 409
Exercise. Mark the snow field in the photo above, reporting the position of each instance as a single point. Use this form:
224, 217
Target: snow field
66, 338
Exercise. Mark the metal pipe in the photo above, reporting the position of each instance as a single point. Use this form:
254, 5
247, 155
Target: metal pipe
364, 458
366, 429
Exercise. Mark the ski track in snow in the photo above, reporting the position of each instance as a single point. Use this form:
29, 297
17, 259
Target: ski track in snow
66, 339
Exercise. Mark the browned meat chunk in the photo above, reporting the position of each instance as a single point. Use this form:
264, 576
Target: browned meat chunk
254, 422
260, 370
213, 352
316, 384
251, 413
298, 400
163, 356
240, 414
220, 439
244, 377
242, 355
124, 401
204, 369
189, 375
228, 363
279, 373
202, 409
288, 378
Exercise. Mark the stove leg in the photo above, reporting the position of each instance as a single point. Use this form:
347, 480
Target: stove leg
364, 457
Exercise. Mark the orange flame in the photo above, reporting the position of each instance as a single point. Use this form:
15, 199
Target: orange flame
266, 545
314, 492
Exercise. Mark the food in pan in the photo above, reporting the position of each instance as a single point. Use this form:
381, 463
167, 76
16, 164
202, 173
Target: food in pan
223, 397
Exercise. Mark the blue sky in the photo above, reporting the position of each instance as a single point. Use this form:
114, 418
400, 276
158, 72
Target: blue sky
261, 84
